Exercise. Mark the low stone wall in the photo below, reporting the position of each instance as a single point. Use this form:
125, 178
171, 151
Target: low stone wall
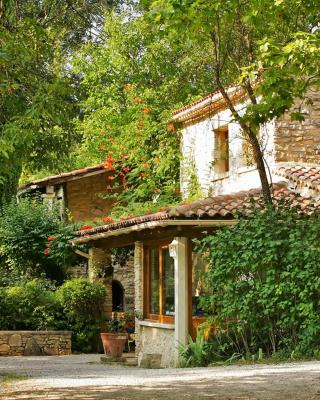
156, 345
35, 343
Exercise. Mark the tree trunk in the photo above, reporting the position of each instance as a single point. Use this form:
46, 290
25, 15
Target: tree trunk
257, 152
258, 157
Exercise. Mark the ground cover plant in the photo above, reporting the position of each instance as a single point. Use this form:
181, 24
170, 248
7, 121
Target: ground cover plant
263, 286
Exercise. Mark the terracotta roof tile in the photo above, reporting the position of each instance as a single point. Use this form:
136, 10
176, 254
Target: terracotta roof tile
218, 207
65, 176
303, 175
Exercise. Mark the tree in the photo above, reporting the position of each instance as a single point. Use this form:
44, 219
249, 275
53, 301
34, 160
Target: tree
270, 48
39, 92
134, 79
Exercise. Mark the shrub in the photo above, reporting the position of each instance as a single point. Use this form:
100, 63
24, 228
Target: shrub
38, 305
25, 250
263, 283
31, 305
82, 304
82, 298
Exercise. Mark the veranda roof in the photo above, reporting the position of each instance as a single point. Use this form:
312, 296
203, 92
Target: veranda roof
209, 212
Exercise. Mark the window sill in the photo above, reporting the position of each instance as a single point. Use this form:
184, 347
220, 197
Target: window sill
243, 170
221, 176
153, 324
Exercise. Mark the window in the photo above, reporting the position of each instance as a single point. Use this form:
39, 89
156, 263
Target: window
221, 146
159, 284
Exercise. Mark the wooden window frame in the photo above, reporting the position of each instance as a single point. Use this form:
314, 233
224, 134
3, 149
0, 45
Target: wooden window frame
219, 160
166, 319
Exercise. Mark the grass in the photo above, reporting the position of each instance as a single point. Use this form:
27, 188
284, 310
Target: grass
8, 377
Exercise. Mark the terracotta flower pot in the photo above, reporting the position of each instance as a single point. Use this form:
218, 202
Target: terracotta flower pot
113, 343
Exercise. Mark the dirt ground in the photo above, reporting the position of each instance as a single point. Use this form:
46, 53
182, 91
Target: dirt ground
84, 378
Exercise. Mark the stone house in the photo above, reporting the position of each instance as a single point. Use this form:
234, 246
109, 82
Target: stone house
79, 196
216, 161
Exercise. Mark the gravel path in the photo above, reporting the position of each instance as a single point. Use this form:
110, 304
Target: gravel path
81, 377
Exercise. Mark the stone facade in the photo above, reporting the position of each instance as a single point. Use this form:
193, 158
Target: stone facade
99, 269
28, 343
82, 197
283, 140
299, 142
124, 273
198, 156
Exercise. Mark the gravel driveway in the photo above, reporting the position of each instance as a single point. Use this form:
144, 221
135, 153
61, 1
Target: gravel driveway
82, 377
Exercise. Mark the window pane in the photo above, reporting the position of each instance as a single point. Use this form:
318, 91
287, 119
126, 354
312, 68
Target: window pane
168, 282
154, 281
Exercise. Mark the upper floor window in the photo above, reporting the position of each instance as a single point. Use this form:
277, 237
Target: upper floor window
221, 146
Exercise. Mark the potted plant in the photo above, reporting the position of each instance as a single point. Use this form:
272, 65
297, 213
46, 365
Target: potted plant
114, 339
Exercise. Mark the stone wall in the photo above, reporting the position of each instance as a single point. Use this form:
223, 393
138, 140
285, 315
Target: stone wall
29, 343
156, 347
124, 273
83, 199
299, 142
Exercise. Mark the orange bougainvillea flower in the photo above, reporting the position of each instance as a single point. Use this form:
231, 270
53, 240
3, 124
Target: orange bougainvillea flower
107, 220
171, 127
143, 174
137, 100
111, 139
155, 190
86, 227
50, 238
147, 110
128, 87
145, 165
46, 251
102, 147
125, 187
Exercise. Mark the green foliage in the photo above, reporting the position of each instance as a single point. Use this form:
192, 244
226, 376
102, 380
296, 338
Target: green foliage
30, 305
133, 79
279, 40
34, 242
82, 299
82, 306
38, 305
263, 283
195, 353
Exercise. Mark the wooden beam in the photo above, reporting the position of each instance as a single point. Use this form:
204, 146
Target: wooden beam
81, 253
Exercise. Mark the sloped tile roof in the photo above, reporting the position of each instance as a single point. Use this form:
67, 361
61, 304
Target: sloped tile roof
65, 176
305, 176
218, 207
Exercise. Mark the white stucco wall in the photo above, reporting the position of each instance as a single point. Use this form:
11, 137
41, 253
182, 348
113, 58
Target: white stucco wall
197, 147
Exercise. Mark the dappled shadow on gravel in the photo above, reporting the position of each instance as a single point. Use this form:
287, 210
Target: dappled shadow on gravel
277, 387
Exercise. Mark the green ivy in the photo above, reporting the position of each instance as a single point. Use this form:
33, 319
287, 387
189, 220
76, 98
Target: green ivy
263, 282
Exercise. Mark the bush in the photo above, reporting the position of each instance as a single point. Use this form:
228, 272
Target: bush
33, 243
263, 284
38, 305
82, 304
31, 305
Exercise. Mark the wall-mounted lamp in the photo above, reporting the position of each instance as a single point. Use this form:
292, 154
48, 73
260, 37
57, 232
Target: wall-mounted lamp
173, 247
